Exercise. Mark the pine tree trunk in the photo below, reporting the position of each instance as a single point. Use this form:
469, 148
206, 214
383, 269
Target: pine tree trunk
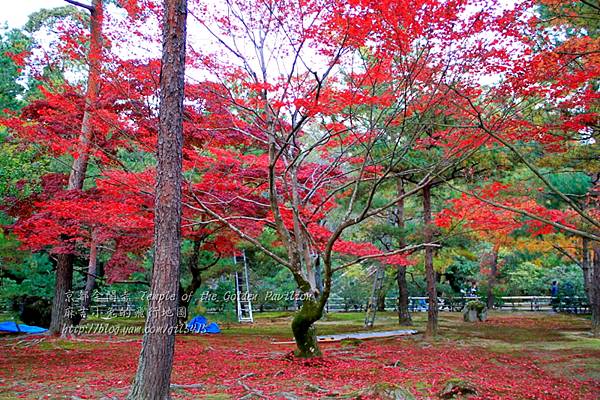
492, 277
595, 290
152, 380
304, 330
61, 305
91, 276
80, 162
585, 266
432, 313
404, 317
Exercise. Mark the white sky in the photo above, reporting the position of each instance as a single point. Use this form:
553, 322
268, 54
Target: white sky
15, 12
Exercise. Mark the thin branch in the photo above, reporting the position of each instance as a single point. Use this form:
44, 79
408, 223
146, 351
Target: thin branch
410, 248
557, 225
78, 4
134, 282
529, 165
564, 252
245, 236
592, 5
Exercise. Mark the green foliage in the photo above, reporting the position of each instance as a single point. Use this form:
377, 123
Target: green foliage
196, 308
275, 291
23, 273
47, 17
13, 45
574, 184
416, 283
353, 286
464, 267
529, 279
219, 297
21, 168
581, 16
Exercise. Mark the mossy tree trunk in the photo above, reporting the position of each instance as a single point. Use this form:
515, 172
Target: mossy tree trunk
305, 333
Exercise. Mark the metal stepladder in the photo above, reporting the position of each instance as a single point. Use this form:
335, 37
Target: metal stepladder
242, 290
375, 292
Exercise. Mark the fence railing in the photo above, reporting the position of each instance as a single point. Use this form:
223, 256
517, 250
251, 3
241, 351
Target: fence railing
573, 304
125, 307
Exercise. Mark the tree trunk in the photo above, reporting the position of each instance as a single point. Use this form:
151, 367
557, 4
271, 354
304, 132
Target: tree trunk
152, 380
492, 277
61, 305
381, 299
595, 290
91, 277
432, 313
304, 330
186, 293
404, 317
585, 266
80, 161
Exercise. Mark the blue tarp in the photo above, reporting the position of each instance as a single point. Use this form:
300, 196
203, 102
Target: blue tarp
213, 328
11, 326
199, 324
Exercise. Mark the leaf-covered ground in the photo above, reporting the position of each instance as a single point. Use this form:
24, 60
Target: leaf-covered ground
511, 356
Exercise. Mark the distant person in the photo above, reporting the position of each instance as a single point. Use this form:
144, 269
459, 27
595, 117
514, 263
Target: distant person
423, 306
554, 293
473, 289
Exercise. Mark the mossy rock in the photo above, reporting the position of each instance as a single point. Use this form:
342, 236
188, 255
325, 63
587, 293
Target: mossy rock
476, 305
457, 388
474, 311
387, 391
381, 391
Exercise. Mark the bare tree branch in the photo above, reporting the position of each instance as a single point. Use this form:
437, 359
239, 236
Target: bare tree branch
82, 5
406, 249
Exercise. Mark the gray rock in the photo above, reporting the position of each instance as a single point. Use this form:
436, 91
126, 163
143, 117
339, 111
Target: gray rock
474, 311
457, 387
386, 391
